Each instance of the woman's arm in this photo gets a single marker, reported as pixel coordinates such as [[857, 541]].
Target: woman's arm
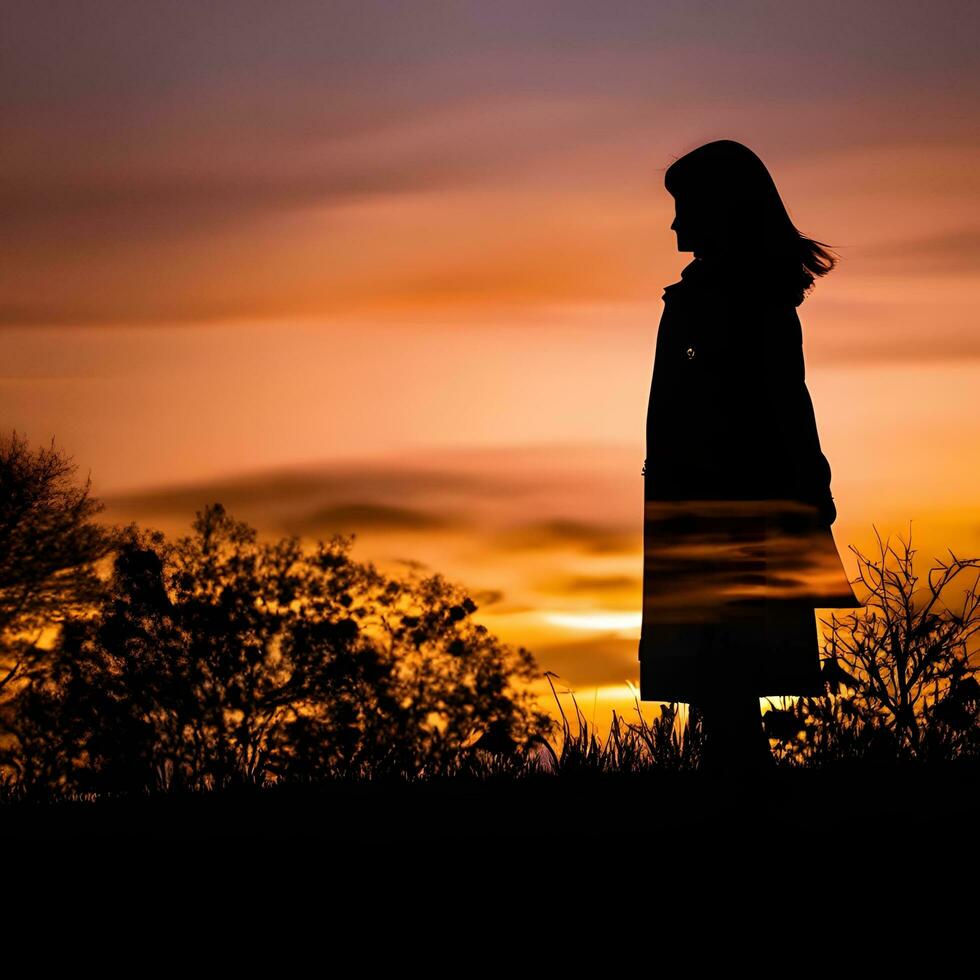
[[767, 442], [794, 427]]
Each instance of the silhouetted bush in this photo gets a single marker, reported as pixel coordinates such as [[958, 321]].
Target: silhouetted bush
[[901, 678], [217, 661]]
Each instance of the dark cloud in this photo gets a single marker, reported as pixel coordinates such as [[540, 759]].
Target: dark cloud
[[551, 534], [321, 503], [565, 585], [345, 518], [130, 208], [313, 486]]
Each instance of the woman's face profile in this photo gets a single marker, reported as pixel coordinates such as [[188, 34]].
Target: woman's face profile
[[686, 226], [698, 226]]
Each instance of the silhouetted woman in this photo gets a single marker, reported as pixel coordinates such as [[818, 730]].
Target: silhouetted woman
[[738, 548]]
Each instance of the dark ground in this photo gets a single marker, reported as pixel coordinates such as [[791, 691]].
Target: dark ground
[[650, 816], [555, 860]]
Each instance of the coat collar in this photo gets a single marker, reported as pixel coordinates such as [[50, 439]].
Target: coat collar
[[703, 276], [692, 276]]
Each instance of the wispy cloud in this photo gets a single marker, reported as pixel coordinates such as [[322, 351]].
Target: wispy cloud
[[950, 253]]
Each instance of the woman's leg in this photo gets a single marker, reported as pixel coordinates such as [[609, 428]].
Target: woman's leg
[[749, 734], [731, 720]]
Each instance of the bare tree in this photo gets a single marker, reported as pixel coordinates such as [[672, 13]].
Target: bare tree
[[905, 662], [49, 550]]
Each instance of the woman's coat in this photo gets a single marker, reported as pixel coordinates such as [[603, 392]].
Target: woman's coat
[[738, 548]]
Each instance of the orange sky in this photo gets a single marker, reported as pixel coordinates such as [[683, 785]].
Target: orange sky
[[402, 275]]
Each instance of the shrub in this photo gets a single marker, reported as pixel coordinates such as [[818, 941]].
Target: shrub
[[218, 661]]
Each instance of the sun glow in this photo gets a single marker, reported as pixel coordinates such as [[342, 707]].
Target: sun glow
[[596, 621]]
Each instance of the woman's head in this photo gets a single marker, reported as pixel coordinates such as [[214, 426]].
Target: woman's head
[[729, 211]]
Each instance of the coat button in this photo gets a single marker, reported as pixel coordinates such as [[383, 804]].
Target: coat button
[[690, 353]]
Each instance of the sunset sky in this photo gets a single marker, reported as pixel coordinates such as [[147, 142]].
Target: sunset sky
[[395, 269]]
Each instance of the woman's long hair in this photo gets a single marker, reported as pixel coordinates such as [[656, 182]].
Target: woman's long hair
[[742, 219]]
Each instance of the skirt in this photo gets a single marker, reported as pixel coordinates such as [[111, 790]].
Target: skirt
[[730, 593]]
